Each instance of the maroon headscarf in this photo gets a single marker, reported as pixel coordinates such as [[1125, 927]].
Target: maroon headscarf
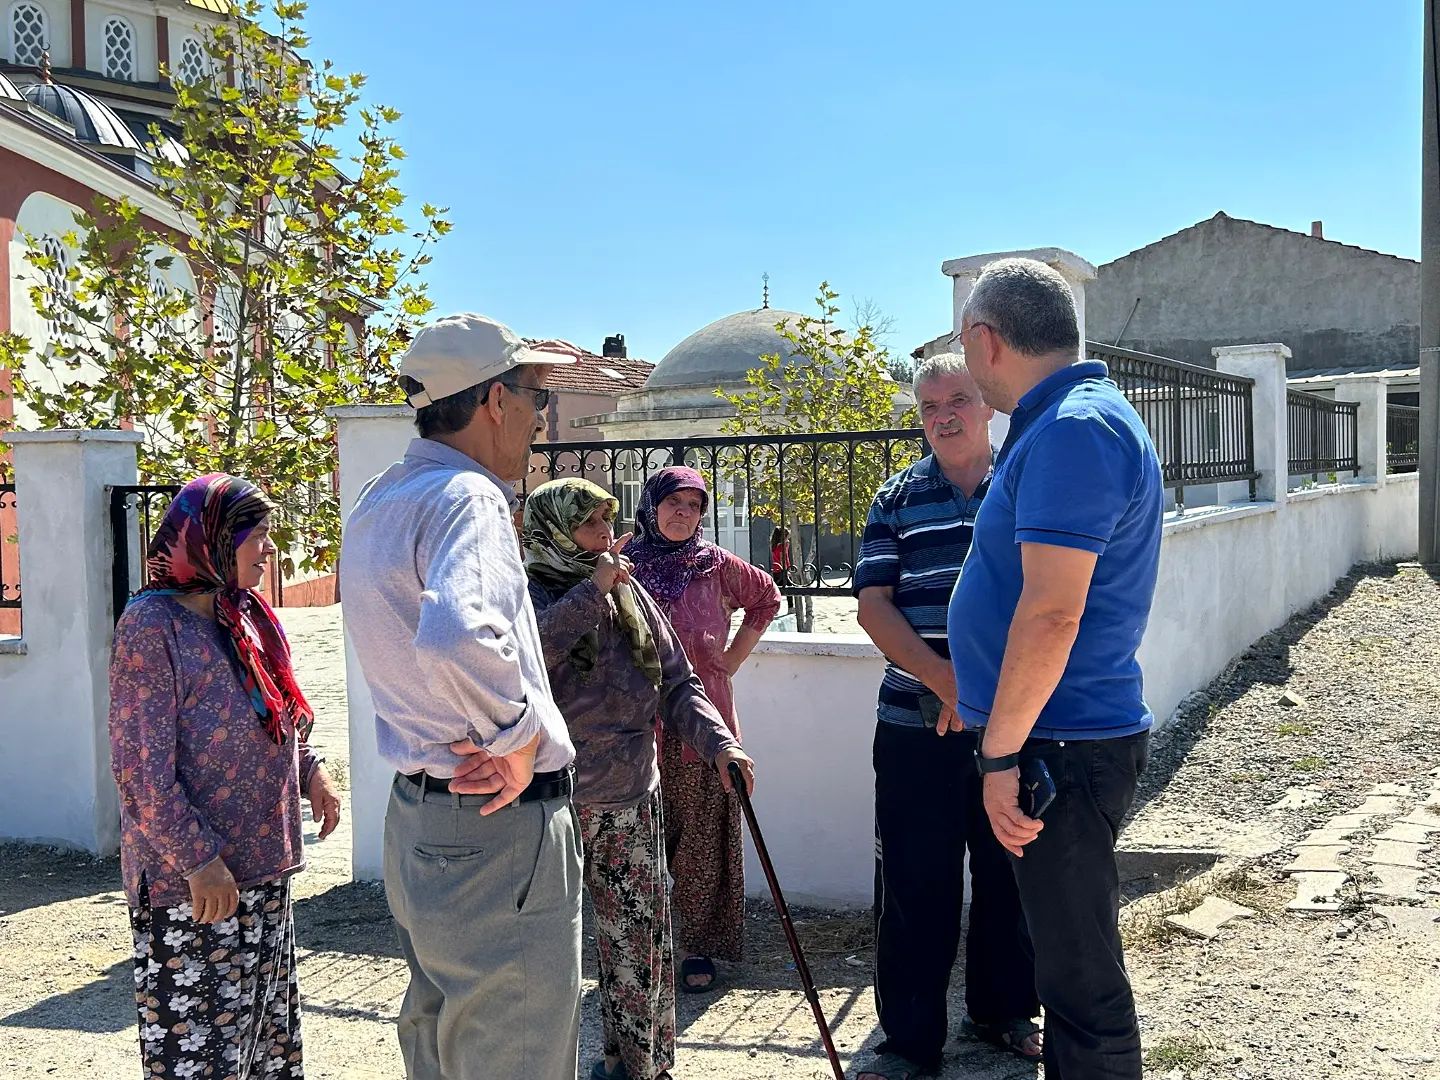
[[665, 567], [193, 553]]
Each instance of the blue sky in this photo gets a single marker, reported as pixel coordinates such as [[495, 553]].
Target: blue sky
[[635, 168]]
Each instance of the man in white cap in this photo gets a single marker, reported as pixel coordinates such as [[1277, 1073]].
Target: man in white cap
[[482, 860]]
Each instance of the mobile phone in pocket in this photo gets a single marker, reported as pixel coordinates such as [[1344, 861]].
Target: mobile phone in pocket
[[930, 706], [1037, 788]]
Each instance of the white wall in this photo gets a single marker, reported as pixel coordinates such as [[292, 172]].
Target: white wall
[[55, 782]]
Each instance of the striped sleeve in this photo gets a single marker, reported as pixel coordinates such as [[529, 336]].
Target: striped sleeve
[[879, 563]]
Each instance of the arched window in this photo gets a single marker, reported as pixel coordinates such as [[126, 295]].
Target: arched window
[[119, 49], [29, 34], [194, 65], [57, 282]]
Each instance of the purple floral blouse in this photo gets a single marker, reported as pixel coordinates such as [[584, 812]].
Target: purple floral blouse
[[198, 776]]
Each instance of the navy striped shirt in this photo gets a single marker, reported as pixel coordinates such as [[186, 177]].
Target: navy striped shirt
[[916, 538]]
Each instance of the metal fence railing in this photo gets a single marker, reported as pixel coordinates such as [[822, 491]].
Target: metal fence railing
[[1201, 421], [1402, 438], [817, 485], [9, 552], [135, 513], [1324, 435]]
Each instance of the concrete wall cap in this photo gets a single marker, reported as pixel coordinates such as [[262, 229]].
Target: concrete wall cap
[[1071, 266], [72, 435], [1265, 349], [362, 412], [790, 643]]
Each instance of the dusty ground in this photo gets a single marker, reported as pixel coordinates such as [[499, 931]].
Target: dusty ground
[[1278, 995]]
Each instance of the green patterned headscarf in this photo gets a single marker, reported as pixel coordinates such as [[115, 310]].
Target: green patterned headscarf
[[553, 511]]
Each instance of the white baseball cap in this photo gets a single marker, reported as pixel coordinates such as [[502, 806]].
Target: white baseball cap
[[460, 351]]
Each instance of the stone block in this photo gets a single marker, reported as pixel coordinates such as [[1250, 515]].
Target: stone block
[[1427, 821], [1326, 837], [1317, 859], [1396, 883], [1318, 891], [1379, 806], [1297, 798], [1391, 789], [1394, 853], [1407, 832], [1417, 923], [1349, 822], [1206, 920]]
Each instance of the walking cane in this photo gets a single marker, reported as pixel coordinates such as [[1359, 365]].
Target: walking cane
[[737, 780]]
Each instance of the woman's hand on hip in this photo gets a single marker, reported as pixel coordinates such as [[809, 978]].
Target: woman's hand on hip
[[324, 801], [611, 566], [747, 767], [213, 893]]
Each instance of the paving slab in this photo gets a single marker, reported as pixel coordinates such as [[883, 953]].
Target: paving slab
[[1297, 798], [1318, 891], [1317, 859], [1392, 789], [1206, 920], [1353, 822], [1396, 883], [1326, 837], [1379, 805], [1408, 832], [1428, 822], [1394, 853], [1413, 922]]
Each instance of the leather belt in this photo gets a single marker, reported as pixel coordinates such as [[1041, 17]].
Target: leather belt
[[543, 785]]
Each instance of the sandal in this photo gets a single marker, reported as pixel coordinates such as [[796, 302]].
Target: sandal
[[699, 967], [1018, 1036], [599, 1072], [891, 1066]]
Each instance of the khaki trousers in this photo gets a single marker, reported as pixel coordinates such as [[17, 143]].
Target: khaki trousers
[[488, 914]]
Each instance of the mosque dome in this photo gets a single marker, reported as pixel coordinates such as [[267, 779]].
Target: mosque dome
[[720, 354], [94, 121]]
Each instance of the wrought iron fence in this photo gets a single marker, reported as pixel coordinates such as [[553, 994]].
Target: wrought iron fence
[[817, 485], [1201, 421], [1324, 434], [135, 513], [9, 550], [1402, 438]]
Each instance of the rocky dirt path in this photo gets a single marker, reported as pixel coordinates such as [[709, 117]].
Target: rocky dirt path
[[1276, 995]]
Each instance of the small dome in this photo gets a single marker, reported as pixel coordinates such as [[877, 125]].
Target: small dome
[[94, 121], [8, 90], [720, 354]]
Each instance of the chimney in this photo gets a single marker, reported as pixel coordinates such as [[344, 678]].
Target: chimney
[[614, 347], [1317, 230]]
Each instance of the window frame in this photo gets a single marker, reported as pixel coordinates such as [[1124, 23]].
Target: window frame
[[133, 58], [14, 44]]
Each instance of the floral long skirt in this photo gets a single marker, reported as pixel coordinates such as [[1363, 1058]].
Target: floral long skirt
[[703, 846], [625, 873], [219, 1001]]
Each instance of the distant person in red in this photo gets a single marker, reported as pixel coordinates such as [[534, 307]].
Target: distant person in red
[[782, 560]]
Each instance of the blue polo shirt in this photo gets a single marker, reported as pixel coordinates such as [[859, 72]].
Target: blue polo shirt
[[1077, 470], [916, 537]]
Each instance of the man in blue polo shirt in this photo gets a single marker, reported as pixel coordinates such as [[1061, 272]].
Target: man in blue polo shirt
[[1044, 625], [927, 793]]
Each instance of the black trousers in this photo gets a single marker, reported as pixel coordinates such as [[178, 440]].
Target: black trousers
[[927, 813], [1070, 893]]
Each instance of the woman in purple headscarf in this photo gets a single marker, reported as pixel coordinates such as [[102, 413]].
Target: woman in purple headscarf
[[700, 586]]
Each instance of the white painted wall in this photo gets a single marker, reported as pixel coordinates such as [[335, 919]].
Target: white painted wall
[[55, 782]]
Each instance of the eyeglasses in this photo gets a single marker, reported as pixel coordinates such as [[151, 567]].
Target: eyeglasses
[[960, 337], [538, 394]]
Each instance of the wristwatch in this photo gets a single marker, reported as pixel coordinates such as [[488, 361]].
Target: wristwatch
[[995, 764]]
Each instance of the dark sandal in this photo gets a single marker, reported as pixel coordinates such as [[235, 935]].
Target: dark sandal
[[1012, 1036], [700, 967], [891, 1066], [599, 1073]]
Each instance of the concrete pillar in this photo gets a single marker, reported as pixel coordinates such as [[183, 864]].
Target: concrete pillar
[[55, 782], [371, 438], [1266, 365], [1075, 270], [1371, 393]]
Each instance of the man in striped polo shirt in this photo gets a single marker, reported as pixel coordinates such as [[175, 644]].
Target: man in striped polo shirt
[[928, 810]]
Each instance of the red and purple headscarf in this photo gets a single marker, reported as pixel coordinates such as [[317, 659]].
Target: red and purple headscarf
[[193, 553], [665, 567]]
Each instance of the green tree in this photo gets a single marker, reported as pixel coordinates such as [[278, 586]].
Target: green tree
[[833, 382], [306, 278]]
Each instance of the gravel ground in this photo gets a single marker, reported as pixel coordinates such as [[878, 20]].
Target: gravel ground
[[1277, 995]]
